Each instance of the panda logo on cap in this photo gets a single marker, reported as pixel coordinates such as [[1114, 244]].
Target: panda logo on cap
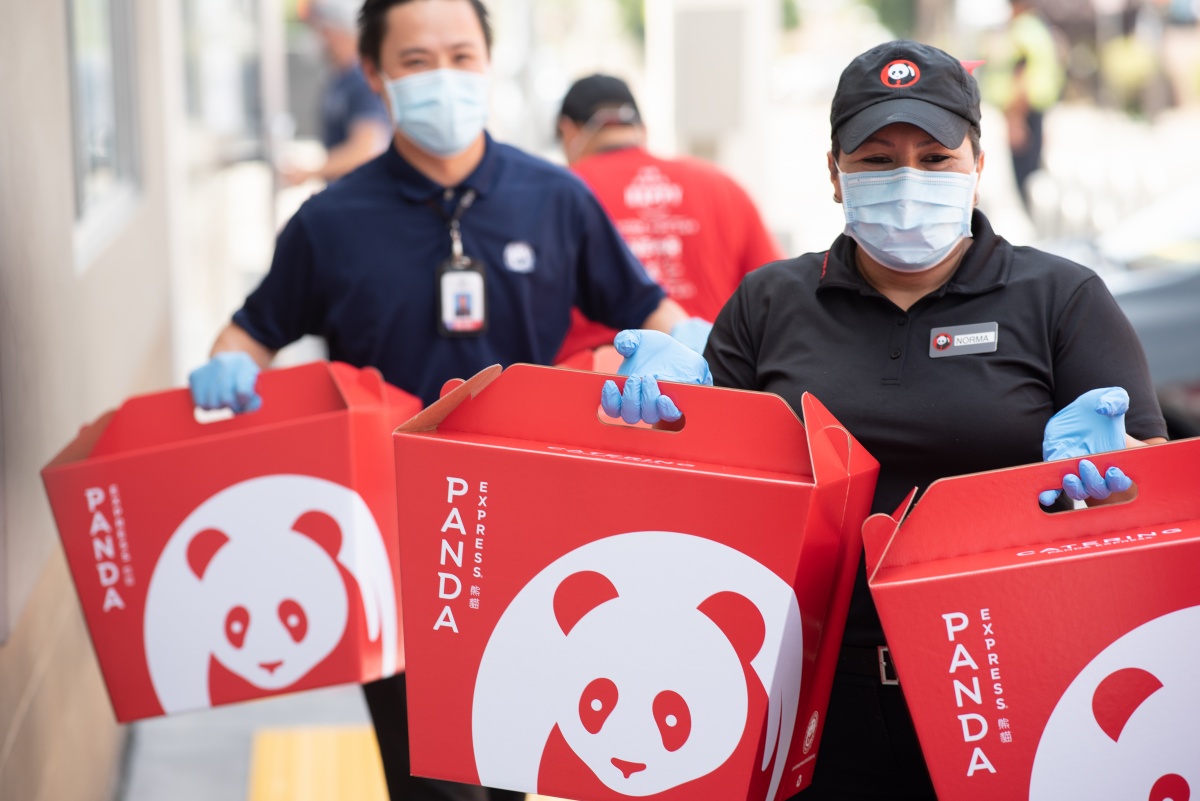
[[900, 74]]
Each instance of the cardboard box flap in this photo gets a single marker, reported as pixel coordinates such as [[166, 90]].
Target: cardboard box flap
[[146, 421], [834, 452], [461, 392], [358, 386], [365, 386], [83, 444], [997, 510], [741, 429], [878, 531]]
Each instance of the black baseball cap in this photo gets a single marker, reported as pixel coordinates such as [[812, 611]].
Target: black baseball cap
[[904, 81], [588, 95]]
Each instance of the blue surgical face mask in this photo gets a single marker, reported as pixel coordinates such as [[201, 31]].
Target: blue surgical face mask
[[442, 111], [906, 219]]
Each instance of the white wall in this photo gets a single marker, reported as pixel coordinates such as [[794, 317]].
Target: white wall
[[712, 81], [73, 342]]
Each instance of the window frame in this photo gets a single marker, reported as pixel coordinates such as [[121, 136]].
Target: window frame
[[100, 217]]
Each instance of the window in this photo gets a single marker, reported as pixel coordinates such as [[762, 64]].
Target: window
[[224, 50], [103, 94]]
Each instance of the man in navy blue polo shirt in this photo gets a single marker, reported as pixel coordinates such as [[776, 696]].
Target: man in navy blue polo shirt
[[448, 253]]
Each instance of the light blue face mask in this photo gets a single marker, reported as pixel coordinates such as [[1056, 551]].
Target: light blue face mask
[[906, 219], [442, 111]]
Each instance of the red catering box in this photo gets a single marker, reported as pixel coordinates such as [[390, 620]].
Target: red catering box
[[218, 562], [596, 611], [1050, 656]]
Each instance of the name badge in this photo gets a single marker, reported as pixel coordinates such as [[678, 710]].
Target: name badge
[[962, 340]]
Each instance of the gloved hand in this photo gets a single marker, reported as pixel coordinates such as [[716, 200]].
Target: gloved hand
[[650, 356], [226, 382], [693, 332], [1092, 423]]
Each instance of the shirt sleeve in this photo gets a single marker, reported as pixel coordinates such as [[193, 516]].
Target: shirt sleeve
[[285, 306], [1095, 346], [612, 287], [733, 343]]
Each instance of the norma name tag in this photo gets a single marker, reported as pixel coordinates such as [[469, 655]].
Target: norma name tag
[[961, 340]]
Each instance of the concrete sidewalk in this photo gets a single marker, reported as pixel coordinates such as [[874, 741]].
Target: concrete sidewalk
[[205, 756]]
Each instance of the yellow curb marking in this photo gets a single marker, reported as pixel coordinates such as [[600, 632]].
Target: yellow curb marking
[[316, 764]]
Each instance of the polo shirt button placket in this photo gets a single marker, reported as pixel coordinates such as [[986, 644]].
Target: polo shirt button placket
[[899, 341]]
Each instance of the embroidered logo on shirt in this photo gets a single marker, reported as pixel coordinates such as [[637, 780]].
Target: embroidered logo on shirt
[[519, 257], [961, 340]]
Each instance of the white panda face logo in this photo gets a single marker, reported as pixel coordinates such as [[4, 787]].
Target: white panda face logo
[[647, 716], [253, 578], [274, 635], [646, 643], [1129, 725]]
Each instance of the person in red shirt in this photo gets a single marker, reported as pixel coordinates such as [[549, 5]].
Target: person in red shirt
[[696, 231]]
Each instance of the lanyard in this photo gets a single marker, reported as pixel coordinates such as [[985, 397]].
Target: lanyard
[[461, 281], [454, 224]]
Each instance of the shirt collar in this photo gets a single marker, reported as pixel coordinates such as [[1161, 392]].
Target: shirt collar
[[623, 147], [418, 188], [985, 266]]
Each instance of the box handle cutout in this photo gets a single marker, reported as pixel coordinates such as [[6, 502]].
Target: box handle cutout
[[209, 416], [617, 422], [1082, 506]]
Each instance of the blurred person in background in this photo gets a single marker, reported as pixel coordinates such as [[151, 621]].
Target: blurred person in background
[[1024, 77], [448, 253], [355, 126], [1131, 62], [693, 227], [880, 329]]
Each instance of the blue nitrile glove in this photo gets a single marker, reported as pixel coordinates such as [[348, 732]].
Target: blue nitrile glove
[[693, 332], [651, 356], [226, 382], [1092, 423]]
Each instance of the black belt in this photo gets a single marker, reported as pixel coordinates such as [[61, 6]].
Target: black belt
[[875, 663]]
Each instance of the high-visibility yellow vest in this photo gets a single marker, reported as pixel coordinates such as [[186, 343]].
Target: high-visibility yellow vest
[[1028, 42]]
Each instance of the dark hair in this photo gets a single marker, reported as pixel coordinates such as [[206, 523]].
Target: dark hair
[[372, 26], [972, 135]]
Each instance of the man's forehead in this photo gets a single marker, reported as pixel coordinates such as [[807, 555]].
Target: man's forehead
[[428, 24]]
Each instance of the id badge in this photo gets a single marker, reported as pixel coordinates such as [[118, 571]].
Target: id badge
[[462, 298], [963, 340]]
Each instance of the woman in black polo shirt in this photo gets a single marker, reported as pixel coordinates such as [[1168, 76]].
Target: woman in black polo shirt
[[943, 349]]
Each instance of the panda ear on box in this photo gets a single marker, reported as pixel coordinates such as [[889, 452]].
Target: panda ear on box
[[202, 549], [740, 620], [321, 529], [1119, 696], [578, 594]]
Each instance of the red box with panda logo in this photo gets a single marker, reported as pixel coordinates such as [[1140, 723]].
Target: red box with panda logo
[[236, 559], [596, 611], [1049, 656]]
